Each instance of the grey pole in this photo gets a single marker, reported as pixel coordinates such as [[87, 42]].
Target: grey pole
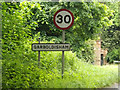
[[39, 56], [63, 41]]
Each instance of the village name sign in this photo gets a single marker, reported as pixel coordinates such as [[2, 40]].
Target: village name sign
[[50, 47], [63, 19]]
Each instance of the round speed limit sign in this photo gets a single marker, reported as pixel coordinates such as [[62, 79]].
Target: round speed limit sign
[[63, 19]]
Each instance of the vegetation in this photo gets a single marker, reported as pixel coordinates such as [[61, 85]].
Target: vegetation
[[89, 19], [24, 73], [111, 36], [23, 23], [0, 47]]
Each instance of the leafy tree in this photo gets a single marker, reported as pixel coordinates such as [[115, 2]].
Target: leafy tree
[[111, 35], [34, 17], [14, 32], [89, 20]]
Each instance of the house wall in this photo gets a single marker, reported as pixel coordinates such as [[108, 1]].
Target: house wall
[[97, 53], [104, 52]]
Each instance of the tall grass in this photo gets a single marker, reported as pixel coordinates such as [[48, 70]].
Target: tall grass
[[20, 70], [84, 75]]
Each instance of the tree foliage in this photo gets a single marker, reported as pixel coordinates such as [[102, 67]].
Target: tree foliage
[[111, 35], [14, 32], [90, 18]]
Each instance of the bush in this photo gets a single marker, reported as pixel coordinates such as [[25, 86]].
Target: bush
[[113, 55], [22, 72]]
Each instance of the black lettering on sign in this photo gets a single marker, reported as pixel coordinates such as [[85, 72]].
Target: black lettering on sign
[[67, 19], [50, 47], [47, 47], [35, 46], [57, 46], [66, 47], [40, 46], [62, 46], [60, 18], [43, 47]]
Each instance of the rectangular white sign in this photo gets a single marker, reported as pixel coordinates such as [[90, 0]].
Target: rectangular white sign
[[50, 47]]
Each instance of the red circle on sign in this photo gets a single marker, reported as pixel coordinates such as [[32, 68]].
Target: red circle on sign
[[63, 28]]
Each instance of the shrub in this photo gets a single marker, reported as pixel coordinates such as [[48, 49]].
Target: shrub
[[113, 55]]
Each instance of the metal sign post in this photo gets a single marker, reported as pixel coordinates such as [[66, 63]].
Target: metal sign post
[[63, 40], [39, 55]]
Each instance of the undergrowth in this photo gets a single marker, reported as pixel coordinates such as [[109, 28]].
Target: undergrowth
[[21, 71]]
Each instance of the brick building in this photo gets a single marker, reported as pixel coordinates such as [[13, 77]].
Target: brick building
[[99, 57]]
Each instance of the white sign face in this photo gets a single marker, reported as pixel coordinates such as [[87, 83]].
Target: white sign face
[[50, 47], [63, 19]]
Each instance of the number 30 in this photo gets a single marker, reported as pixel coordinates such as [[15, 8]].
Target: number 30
[[60, 17]]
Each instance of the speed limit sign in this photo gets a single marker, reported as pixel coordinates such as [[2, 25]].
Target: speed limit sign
[[63, 19]]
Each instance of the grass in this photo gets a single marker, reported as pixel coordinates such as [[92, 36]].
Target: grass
[[85, 75], [78, 74], [94, 78], [119, 73], [0, 73]]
